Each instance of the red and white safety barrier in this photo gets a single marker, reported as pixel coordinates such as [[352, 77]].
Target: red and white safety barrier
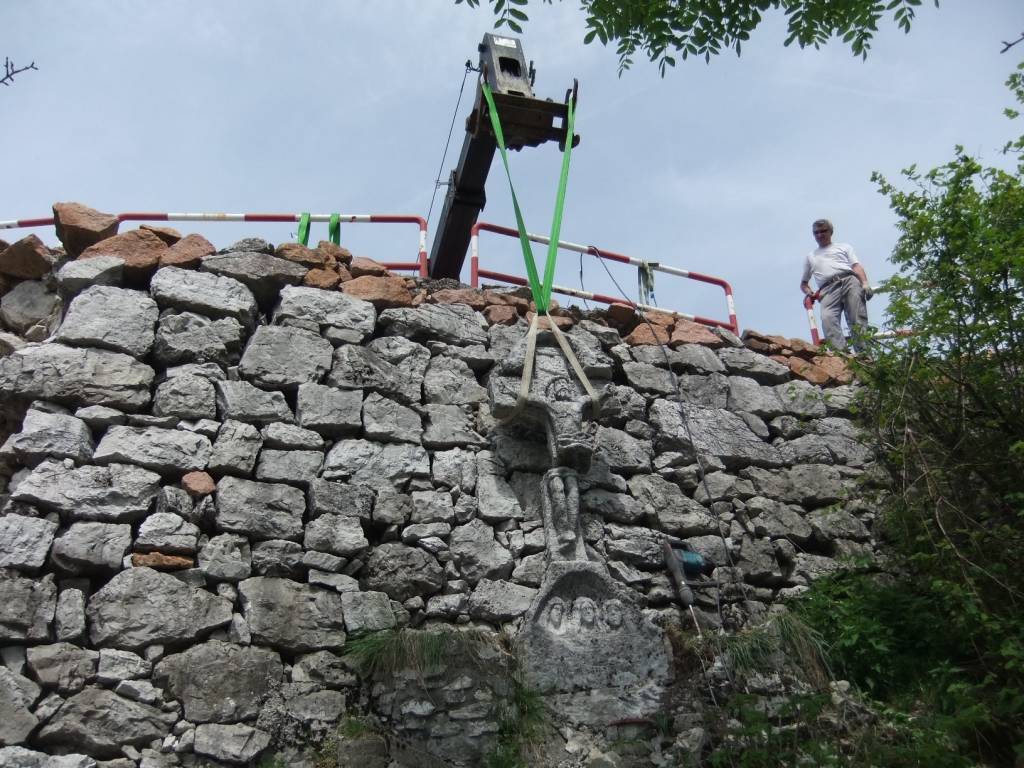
[[476, 273], [420, 265]]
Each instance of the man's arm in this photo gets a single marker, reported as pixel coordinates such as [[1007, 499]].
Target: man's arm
[[858, 270], [806, 288]]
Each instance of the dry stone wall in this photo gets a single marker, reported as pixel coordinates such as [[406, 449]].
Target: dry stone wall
[[219, 468]]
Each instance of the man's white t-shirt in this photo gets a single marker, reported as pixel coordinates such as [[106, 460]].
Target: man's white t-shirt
[[828, 261]]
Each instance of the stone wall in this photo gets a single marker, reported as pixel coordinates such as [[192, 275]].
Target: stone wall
[[222, 467]]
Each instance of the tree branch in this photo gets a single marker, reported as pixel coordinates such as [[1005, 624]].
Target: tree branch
[[1007, 46], [10, 71]]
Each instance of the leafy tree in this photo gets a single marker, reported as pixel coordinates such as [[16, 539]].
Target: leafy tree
[[662, 29], [947, 407]]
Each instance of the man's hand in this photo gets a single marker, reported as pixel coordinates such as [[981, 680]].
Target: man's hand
[[868, 290]]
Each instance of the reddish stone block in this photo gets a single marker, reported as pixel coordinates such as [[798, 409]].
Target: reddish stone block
[[808, 371], [688, 332], [382, 292], [360, 266], [198, 483], [168, 234], [29, 259], [471, 296], [836, 367], [563, 323], [648, 334], [139, 249], [501, 314], [325, 279], [300, 254], [161, 562], [187, 253], [78, 226], [334, 253]]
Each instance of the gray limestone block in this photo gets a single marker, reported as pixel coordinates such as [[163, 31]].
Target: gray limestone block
[[17, 697], [100, 417], [186, 397], [404, 354], [217, 682], [115, 666], [816, 485], [709, 431], [609, 337], [325, 562], [226, 557], [259, 510], [235, 449], [265, 275], [241, 401], [475, 356], [276, 557], [391, 508], [756, 424], [590, 353], [617, 507], [205, 293], [29, 303], [101, 723], [291, 437], [365, 463], [111, 318], [167, 533], [140, 607], [450, 426], [780, 521], [9, 342], [19, 757], [412, 534], [496, 500], [76, 376], [88, 547], [184, 338], [802, 398], [711, 391], [290, 616], [25, 541], [51, 435], [331, 412], [336, 534], [69, 619], [645, 377], [176, 501], [477, 554], [79, 274], [402, 571], [340, 318], [722, 486], [758, 562], [367, 612], [449, 381], [62, 666], [623, 453], [446, 606], [167, 451], [669, 509], [686, 358], [455, 468], [112, 493], [281, 357], [295, 467], [530, 570], [29, 607], [235, 743], [343, 499], [358, 368], [831, 523], [500, 601], [620, 404], [635, 545], [451, 323], [751, 397], [323, 668], [250, 244], [432, 507], [388, 421], [806, 449], [745, 362]]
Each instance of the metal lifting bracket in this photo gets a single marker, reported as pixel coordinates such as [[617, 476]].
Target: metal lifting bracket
[[527, 122]]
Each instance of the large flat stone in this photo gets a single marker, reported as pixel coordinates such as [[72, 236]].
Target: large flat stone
[[259, 510], [168, 451], [263, 274], [451, 323], [140, 607], [218, 682], [76, 376], [365, 463], [279, 357], [290, 616], [341, 318], [187, 337], [112, 493], [710, 431], [87, 547], [205, 293], [51, 435], [110, 318], [25, 541], [29, 605], [241, 401]]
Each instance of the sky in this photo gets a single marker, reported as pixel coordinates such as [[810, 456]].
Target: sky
[[341, 106]]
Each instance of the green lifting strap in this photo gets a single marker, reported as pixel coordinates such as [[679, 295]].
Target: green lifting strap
[[304, 229], [541, 291], [334, 229]]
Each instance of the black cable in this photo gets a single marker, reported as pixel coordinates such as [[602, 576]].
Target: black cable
[[444, 156], [686, 423]]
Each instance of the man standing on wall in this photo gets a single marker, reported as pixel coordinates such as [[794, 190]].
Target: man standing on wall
[[842, 284]]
